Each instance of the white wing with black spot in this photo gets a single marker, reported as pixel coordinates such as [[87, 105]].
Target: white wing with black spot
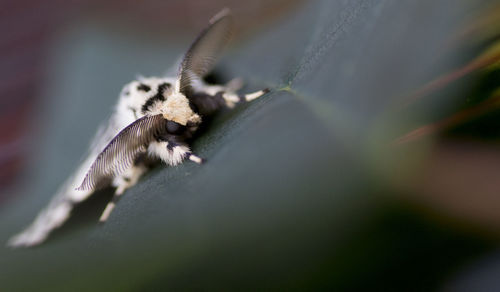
[[62, 203]]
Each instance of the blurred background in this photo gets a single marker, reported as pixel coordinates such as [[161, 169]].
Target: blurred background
[[374, 163]]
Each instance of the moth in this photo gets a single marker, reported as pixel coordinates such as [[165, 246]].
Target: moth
[[154, 120]]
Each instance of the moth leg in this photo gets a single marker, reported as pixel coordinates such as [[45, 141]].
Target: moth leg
[[109, 208], [232, 98], [194, 158], [173, 153], [126, 180]]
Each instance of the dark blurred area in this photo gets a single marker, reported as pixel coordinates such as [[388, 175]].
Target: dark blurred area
[[373, 164]]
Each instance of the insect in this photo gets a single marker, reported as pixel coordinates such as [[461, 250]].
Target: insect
[[154, 120]]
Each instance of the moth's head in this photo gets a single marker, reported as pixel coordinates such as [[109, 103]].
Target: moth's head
[[152, 96], [176, 108]]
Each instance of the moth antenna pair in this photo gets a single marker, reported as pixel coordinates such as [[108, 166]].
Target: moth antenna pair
[[200, 58]]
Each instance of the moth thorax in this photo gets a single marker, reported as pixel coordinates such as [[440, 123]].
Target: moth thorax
[[176, 108]]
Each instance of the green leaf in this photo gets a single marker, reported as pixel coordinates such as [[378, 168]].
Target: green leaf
[[288, 198]]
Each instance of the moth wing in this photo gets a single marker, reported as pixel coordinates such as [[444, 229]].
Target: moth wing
[[204, 51], [61, 204], [53, 215], [120, 153]]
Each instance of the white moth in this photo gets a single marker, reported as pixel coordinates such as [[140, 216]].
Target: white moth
[[154, 119]]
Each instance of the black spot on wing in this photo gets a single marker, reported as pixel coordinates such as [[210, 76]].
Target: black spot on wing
[[159, 96], [143, 87]]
